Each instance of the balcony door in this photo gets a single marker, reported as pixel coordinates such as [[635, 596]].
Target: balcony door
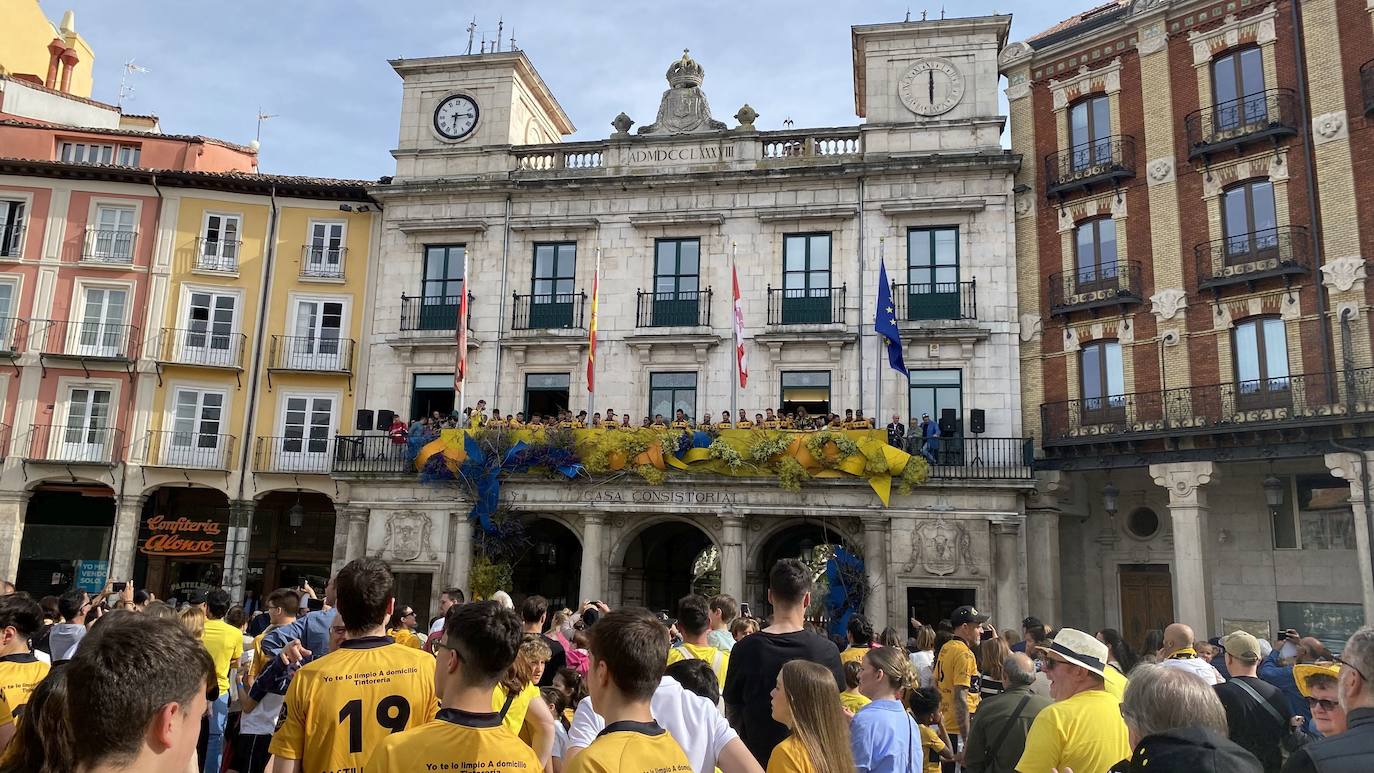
[[85, 435], [325, 253], [307, 421], [1250, 222], [932, 259], [113, 238], [1090, 131], [209, 335], [1095, 257], [219, 249], [551, 288], [1261, 357], [317, 342], [9, 324], [1238, 91], [101, 331], [442, 288], [1104, 383], [677, 282], [195, 439], [806, 279], [11, 229]]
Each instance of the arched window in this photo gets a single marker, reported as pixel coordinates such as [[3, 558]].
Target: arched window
[[1259, 348], [1249, 221], [1238, 89]]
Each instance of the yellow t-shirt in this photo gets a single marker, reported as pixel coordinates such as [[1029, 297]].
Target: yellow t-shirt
[[340, 707], [455, 740], [260, 660], [956, 667], [853, 701], [719, 659], [631, 747], [746, 424], [515, 715], [1115, 682], [680, 425], [19, 674], [853, 654], [224, 642], [404, 637], [931, 746], [1083, 732], [790, 757]]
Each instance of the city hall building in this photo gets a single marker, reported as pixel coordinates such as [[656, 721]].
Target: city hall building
[[487, 201]]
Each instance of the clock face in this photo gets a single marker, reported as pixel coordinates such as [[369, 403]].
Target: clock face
[[931, 86], [455, 117]]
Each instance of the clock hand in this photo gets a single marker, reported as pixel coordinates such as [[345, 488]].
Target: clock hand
[[931, 76]]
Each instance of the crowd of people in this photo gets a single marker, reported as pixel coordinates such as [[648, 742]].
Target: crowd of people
[[121, 681]]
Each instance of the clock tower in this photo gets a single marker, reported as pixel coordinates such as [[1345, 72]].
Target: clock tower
[[454, 107], [930, 75]]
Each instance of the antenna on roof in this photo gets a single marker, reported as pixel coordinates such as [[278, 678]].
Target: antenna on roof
[[923, 14], [500, 27], [472, 27], [262, 117], [126, 89], [908, 15], [512, 38], [942, 13]]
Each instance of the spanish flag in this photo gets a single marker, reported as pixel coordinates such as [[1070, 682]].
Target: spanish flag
[[591, 327]]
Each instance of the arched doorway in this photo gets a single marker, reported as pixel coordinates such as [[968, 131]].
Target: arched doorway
[[551, 565], [667, 561], [173, 568], [811, 541], [291, 541], [67, 526]]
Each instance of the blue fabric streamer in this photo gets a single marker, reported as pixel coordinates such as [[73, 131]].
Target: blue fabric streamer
[[843, 600]]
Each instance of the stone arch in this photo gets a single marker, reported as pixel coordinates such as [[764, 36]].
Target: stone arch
[[766, 543], [151, 487], [551, 564], [655, 561]]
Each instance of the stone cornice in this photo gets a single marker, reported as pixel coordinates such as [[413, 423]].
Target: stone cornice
[[837, 212], [440, 226], [555, 224], [934, 205], [657, 219]]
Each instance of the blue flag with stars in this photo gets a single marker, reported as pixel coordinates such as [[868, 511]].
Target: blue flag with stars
[[885, 323]]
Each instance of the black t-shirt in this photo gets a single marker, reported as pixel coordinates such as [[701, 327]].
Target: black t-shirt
[[558, 658], [754, 665], [1251, 726]]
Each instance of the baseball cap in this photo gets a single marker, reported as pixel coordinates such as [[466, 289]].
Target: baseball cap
[[1242, 646], [197, 596], [1032, 622], [966, 614]]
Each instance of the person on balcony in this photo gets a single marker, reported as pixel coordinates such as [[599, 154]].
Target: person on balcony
[[659, 423], [743, 422], [724, 422], [680, 420], [770, 420]]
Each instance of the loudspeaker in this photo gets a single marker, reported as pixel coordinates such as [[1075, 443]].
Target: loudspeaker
[[384, 419], [976, 421], [947, 420], [364, 420]]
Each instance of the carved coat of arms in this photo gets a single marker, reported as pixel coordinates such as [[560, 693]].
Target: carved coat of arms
[[938, 547], [408, 537]]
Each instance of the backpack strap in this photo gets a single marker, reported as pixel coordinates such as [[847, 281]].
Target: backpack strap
[[1269, 707], [505, 707]]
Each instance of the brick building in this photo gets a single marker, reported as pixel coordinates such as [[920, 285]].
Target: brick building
[[1191, 228]]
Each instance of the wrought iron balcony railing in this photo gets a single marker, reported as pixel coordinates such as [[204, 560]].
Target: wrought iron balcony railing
[[221, 255], [372, 455], [188, 448], [806, 305], [76, 442], [1094, 287], [311, 354], [941, 300], [682, 308], [547, 312], [182, 346], [320, 262], [109, 246], [432, 313], [1315, 398], [1108, 160], [309, 451], [979, 458], [13, 335], [1247, 258], [87, 340], [1271, 114]]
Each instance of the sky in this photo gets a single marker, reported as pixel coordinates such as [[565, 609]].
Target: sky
[[320, 66]]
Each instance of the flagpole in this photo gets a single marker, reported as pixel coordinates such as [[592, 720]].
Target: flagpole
[[734, 380], [878, 360], [462, 338], [591, 344]]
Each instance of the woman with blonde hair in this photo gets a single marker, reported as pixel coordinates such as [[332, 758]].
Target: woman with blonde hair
[[923, 659], [883, 736], [991, 654], [516, 697], [805, 700], [192, 618]]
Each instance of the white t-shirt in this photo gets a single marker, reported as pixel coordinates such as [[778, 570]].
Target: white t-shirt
[[560, 741], [696, 724], [1196, 666], [924, 663], [262, 720], [436, 626]]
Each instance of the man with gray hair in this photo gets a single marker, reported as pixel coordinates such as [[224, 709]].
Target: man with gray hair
[[997, 735], [1176, 722], [1353, 749]]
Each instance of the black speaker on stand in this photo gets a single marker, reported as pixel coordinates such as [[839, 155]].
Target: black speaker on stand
[[384, 419], [363, 423]]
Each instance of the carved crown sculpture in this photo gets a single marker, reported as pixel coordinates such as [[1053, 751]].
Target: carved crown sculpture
[[685, 73]]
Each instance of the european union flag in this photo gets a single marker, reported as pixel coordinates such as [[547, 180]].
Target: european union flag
[[885, 323]]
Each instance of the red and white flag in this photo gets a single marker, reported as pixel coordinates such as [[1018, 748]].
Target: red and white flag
[[460, 371], [740, 365]]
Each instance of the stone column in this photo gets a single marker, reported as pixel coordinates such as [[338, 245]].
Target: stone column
[[13, 506], [1006, 578], [1188, 511], [1042, 546], [732, 556], [459, 551], [241, 513], [128, 513], [350, 535], [875, 567], [593, 586], [1347, 466]]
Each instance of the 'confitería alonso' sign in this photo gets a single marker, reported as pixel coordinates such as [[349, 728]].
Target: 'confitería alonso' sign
[[181, 537]]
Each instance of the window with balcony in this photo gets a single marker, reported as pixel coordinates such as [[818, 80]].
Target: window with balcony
[[932, 274], [101, 331], [317, 341], [195, 439], [85, 435], [324, 254], [1238, 89], [551, 285], [677, 282], [441, 288], [809, 389], [1090, 131], [1260, 352], [1094, 247], [1249, 222], [546, 394], [806, 286], [111, 240], [219, 243], [671, 392], [307, 421], [9, 292], [11, 229], [1103, 382], [208, 337], [934, 391]]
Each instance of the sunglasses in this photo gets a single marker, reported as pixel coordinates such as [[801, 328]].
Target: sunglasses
[[1348, 665], [1325, 705]]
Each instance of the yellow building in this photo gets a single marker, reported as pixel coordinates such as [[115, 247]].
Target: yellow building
[[32, 48]]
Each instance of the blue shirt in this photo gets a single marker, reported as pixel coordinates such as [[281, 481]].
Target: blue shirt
[[312, 629], [1281, 676], [885, 739]]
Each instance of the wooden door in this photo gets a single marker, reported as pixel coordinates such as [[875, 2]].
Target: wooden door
[[1147, 600]]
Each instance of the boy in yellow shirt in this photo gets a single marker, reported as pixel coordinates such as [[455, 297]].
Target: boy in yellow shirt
[[694, 622], [479, 643], [627, 651]]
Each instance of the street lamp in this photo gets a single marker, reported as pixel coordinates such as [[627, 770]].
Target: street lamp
[[1273, 493], [295, 515], [1109, 494], [808, 550]]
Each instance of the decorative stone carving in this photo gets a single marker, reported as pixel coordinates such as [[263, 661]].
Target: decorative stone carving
[[1024, 203], [1152, 39], [1330, 127], [1013, 53], [1160, 171], [1167, 303], [1018, 87], [1182, 479], [1108, 75], [1031, 327], [937, 547], [622, 124], [1342, 273], [408, 536], [1144, 6], [1230, 32], [746, 117], [683, 108]]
